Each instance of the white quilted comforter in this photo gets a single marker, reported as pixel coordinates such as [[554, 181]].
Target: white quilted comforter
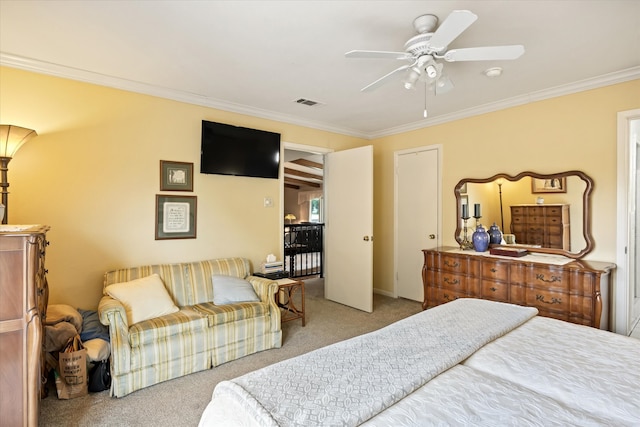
[[469, 362]]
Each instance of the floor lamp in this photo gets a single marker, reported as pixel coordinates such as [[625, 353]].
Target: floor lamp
[[11, 139], [500, 181]]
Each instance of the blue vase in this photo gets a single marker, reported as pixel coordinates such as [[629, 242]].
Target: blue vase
[[495, 235], [480, 239]]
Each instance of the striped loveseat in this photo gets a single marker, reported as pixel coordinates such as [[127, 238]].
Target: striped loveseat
[[199, 335]]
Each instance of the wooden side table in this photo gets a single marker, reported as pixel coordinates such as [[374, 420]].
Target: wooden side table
[[284, 299]]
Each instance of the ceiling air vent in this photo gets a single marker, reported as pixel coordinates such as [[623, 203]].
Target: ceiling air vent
[[307, 102]]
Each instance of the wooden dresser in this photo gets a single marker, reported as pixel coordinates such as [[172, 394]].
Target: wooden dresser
[[23, 302], [577, 292], [544, 225]]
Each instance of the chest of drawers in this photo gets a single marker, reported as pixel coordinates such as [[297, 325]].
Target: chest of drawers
[[577, 292], [23, 302], [544, 225]]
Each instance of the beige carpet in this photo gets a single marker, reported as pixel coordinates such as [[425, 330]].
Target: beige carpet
[[180, 402]]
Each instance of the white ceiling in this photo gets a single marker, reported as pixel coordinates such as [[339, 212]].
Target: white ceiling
[[258, 57]]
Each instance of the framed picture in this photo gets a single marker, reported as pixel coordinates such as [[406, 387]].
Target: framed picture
[[554, 185], [176, 217], [176, 176]]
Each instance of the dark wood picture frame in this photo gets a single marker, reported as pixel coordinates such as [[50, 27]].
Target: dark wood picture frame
[[176, 217], [551, 185], [176, 176]]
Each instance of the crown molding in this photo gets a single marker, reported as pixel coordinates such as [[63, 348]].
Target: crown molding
[[77, 74], [579, 86]]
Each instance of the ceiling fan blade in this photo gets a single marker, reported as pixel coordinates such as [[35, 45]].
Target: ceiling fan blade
[[488, 53], [382, 80], [443, 85], [451, 28], [376, 54]]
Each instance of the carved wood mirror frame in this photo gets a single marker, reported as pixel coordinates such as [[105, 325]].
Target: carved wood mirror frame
[[586, 207]]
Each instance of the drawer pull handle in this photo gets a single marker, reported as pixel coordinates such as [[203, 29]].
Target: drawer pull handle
[[448, 298], [454, 265], [553, 300], [451, 282], [493, 270], [553, 278], [493, 289]]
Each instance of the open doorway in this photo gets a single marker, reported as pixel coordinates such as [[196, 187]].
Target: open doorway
[[303, 208]]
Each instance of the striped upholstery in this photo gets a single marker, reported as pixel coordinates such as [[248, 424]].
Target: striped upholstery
[[197, 337], [221, 314]]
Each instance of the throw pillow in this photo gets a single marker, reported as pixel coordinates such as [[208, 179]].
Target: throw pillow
[[143, 298], [230, 289]]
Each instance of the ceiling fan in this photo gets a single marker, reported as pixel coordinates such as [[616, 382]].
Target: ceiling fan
[[425, 49]]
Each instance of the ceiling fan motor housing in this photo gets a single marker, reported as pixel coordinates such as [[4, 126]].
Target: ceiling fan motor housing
[[425, 23]]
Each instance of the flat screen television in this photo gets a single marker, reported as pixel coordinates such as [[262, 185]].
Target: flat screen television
[[233, 150]]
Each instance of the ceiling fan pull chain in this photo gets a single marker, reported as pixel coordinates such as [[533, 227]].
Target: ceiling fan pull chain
[[425, 100]]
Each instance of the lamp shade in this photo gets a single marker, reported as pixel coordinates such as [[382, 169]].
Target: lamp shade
[[290, 217], [12, 138]]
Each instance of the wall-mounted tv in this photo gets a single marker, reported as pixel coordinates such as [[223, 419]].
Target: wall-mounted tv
[[233, 150]]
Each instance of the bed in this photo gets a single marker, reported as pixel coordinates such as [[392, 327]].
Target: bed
[[467, 362]]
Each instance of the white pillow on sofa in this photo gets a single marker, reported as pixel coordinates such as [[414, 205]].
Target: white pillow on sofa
[[231, 289], [143, 298]]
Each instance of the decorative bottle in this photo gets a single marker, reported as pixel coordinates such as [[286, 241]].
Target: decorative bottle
[[495, 235], [480, 239]]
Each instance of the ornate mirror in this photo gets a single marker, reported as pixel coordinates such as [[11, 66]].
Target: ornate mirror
[[544, 213]]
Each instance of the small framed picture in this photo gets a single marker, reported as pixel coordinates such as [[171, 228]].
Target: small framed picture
[[176, 217], [176, 176], [553, 185]]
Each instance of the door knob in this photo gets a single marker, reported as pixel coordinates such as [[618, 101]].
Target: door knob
[[432, 236], [365, 238]]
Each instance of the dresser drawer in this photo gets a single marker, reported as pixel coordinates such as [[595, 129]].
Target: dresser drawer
[[554, 220], [495, 270], [518, 210], [549, 278], [535, 211], [538, 220], [553, 211], [544, 300], [518, 219], [453, 282], [496, 291], [453, 264], [445, 295]]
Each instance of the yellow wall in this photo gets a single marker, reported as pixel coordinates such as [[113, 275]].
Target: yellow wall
[[93, 172], [572, 132]]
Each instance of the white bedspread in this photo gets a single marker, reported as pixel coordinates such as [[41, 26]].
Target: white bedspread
[[463, 396], [350, 382], [583, 368], [544, 372]]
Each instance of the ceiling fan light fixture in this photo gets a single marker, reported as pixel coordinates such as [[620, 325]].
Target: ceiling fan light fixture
[[493, 72], [413, 78], [431, 71]]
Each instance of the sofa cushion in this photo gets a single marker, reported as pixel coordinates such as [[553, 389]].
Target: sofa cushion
[[185, 321], [221, 314], [143, 298], [230, 289]]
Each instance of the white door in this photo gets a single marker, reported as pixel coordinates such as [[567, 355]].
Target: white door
[[417, 205], [634, 221], [627, 290], [349, 227]]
